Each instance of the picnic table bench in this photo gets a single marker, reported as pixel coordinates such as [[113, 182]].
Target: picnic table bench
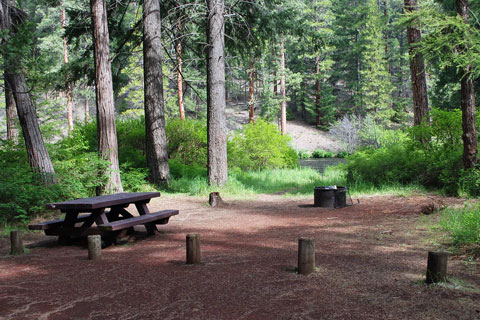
[[115, 222]]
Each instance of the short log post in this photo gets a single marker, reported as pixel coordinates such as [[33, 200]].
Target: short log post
[[16, 242], [436, 267], [215, 200], [193, 249], [306, 256], [94, 247]]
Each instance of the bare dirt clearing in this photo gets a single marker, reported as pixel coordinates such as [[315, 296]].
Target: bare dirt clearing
[[371, 260]]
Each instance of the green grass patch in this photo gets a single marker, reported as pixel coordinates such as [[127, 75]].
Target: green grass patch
[[462, 224], [295, 182]]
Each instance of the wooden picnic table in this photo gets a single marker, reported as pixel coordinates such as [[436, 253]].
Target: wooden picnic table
[[108, 213]]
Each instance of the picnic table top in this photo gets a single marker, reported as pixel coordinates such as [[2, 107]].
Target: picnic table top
[[103, 201]]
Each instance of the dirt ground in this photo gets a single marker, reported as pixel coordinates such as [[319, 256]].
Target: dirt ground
[[371, 262]]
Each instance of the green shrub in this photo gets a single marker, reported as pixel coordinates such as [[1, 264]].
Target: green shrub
[[342, 154], [429, 154], [261, 146], [322, 154], [470, 182], [303, 154], [23, 195], [187, 141], [181, 170], [462, 224], [131, 142], [135, 179]]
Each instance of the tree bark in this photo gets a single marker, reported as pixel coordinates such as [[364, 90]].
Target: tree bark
[[275, 82], [179, 69], [317, 90], [68, 88], [251, 101], [87, 113], [106, 130], [11, 114], [157, 156], [36, 150], [216, 105], [283, 106], [15, 82], [417, 70], [468, 102]]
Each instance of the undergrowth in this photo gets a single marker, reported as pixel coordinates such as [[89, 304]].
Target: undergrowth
[[463, 225]]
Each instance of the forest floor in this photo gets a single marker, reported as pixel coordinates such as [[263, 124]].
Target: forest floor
[[371, 260], [304, 136]]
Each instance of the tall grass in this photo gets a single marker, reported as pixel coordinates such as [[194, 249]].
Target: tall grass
[[463, 224], [290, 182]]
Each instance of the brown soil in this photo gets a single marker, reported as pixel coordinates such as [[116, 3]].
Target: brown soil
[[371, 262]]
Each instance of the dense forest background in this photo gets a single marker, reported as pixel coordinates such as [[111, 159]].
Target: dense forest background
[[342, 57], [342, 66]]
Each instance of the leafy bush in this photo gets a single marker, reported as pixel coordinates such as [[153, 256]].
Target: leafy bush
[[322, 154], [131, 142], [303, 154], [135, 179], [470, 182], [22, 193], [429, 154], [462, 224], [261, 146], [187, 141], [181, 170]]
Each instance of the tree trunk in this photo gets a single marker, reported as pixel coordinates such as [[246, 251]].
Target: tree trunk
[[106, 130], [251, 102], [11, 114], [179, 70], [87, 113], [317, 90], [283, 106], [157, 156], [15, 82], [468, 102], [417, 70], [36, 150], [275, 82], [216, 105], [68, 88]]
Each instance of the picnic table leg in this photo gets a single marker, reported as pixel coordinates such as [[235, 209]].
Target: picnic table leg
[[142, 210], [69, 222]]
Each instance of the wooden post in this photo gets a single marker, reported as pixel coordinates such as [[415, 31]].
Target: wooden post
[[94, 247], [215, 200], [16, 242], [306, 256], [436, 267], [193, 248]]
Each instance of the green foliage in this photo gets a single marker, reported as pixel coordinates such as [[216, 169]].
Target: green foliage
[[261, 146], [187, 141], [470, 182], [431, 155], [135, 179], [181, 170], [342, 154], [131, 142], [303, 154], [375, 83], [322, 154], [462, 224], [22, 193]]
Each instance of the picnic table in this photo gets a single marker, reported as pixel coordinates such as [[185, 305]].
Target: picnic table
[[105, 215]]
